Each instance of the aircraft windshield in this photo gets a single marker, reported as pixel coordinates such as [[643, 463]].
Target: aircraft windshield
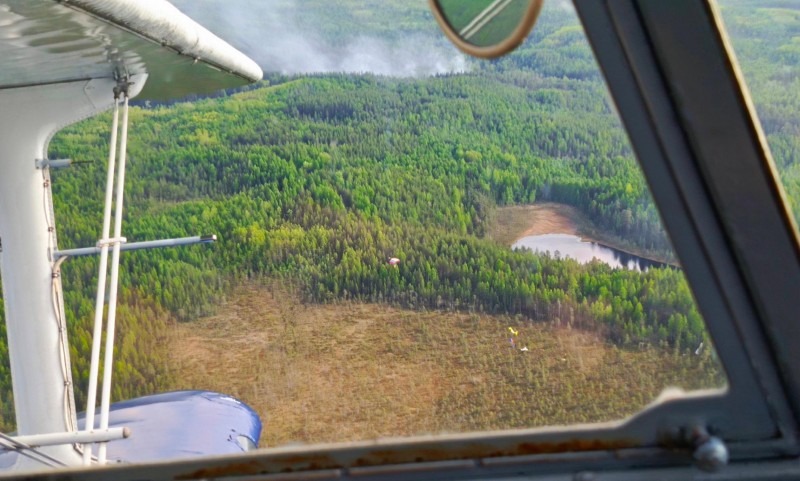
[[410, 241], [766, 39]]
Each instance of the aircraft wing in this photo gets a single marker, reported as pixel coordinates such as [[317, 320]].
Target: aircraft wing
[[49, 41]]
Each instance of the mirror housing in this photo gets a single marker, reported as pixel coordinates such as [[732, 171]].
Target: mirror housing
[[486, 28]]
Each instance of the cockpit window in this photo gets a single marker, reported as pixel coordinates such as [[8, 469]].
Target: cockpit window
[[766, 38], [410, 241], [451, 250]]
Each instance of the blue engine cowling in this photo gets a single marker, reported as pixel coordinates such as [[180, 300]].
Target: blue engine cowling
[[181, 424]]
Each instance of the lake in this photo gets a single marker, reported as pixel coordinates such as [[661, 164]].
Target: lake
[[565, 245]]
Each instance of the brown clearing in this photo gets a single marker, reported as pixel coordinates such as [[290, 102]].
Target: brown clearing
[[511, 223], [356, 371]]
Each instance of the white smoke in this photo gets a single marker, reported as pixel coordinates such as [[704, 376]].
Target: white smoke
[[269, 33]]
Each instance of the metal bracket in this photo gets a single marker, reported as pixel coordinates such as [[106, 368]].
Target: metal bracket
[[112, 241], [709, 452], [123, 84], [53, 164]]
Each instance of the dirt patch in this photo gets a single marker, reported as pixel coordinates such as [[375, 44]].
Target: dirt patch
[[514, 222], [352, 371]]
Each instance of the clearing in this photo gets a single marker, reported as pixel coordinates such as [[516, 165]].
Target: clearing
[[355, 371], [511, 223]]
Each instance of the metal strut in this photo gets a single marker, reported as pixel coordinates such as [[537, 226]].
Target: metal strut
[[134, 246], [121, 90]]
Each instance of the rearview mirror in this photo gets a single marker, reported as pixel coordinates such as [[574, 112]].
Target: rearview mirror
[[486, 28]]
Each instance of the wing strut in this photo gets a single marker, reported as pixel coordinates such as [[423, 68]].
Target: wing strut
[[115, 242]]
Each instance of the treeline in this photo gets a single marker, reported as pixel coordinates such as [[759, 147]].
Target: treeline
[[338, 255], [421, 151]]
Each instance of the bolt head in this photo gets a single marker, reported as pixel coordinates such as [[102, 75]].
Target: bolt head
[[711, 455]]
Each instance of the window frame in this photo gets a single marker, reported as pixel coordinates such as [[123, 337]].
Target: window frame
[[681, 97]]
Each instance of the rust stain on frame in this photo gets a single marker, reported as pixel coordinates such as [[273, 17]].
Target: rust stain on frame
[[404, 454]]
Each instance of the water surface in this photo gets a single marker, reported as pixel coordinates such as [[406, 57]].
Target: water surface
[[565, 245]]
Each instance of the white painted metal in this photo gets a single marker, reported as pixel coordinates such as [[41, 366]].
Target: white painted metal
[[91, 394], [160, 21], [44, 41], [8, 443], [58, 66], [28, 119], [108, 364], [55, 439]]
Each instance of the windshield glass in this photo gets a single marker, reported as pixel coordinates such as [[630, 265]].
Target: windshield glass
[[766, 38], [410, 241]]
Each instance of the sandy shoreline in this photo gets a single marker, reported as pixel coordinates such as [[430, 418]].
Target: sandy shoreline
[[512, 223], [515, 222]]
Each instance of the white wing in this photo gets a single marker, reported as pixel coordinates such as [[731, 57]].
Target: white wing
[[44, 41]]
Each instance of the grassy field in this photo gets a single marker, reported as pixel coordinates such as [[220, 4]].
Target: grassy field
[[354, 371]]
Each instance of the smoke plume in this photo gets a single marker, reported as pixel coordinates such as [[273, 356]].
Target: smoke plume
[[270, 33]]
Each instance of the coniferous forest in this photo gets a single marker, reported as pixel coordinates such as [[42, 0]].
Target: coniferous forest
[[317, 179]]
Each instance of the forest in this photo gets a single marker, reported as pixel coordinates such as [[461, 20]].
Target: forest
[[318, 179]]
